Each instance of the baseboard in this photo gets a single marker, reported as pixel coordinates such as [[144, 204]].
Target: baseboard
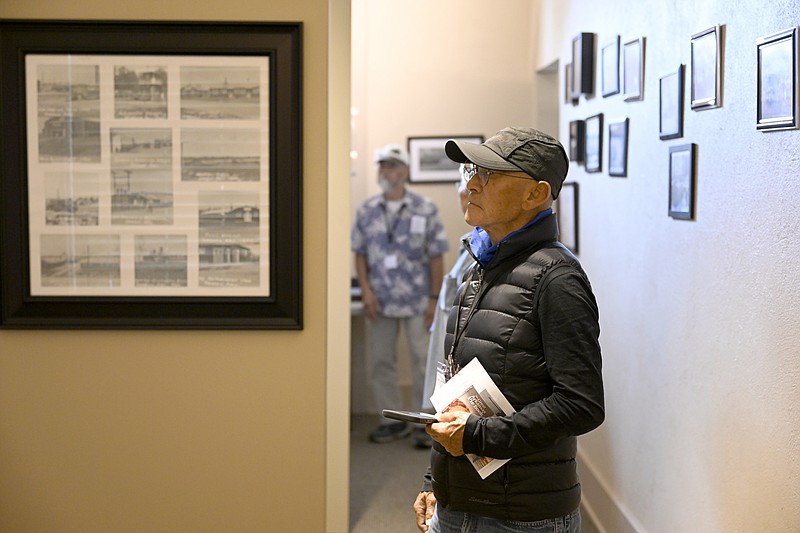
[[602, 506]]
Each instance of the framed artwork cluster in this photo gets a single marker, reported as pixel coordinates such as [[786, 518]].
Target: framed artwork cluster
[[151, 175], [697, 84]]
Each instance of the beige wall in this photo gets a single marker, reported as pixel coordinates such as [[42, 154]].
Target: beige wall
[[185, 431], [450, 67], [699, 318]]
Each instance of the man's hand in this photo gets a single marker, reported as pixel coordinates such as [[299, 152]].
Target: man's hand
[[370, 302], [429, 312], [424, 506], [449, 431]]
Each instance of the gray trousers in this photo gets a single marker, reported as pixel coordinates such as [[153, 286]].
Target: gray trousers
[[382, 353]]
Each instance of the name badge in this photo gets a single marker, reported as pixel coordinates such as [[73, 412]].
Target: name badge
[[390, 262], [417, 224]]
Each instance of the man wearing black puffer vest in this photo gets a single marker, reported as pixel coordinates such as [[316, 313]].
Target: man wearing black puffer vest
[[528, 314]]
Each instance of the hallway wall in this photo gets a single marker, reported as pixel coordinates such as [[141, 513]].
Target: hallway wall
[[699, 318]]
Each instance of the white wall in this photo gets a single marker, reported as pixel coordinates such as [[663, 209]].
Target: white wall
[[699, 325]]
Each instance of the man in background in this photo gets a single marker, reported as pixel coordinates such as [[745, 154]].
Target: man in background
[[398, 239]]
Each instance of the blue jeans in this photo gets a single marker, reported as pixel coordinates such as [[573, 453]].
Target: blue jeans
[[445, 521]]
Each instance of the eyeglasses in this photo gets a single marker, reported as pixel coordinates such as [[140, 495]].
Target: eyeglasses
[[471, 170]]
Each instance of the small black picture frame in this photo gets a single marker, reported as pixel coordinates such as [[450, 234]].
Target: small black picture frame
[[682, 178], [609, 58], [670, 99], [188, 272], [618, 148], [567, 210], [594, 143], [577, 141], [777, 93], [583, 64]]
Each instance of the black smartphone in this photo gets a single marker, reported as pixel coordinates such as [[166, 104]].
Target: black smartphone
[[410, 416]]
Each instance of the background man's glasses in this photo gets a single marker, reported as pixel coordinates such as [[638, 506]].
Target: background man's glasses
[[471, 170]]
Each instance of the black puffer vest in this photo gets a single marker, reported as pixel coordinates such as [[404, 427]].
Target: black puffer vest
[[531, 319]]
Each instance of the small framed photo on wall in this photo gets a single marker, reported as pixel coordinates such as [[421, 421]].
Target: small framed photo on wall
[[582, 64], [682, 177], [567, 216], [777, 91], [428, 163], [609, 57], [670, 98], [706, 68], [594, 143], [633, 68], [577, 146], [618, 148]]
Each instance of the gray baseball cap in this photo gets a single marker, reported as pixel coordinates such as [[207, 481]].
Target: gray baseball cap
[[516, 150]]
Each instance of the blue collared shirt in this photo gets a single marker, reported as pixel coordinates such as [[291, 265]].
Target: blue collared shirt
[[482, 247]]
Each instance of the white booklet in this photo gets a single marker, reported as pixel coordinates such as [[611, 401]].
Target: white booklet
[[471, 389]]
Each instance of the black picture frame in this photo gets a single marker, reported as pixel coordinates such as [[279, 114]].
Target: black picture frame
[[777, 97], [609, 56], [618, 148], [583, 64], [275, 112], [633, 69], [706, 66], [567, 211], [682, 178], [577, 141], [594, 143], [670, 98], [428, 162]]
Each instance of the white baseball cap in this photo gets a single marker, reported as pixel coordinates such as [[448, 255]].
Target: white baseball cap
[[392, 151]]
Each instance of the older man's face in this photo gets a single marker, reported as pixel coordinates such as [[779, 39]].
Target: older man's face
[[497, 207]]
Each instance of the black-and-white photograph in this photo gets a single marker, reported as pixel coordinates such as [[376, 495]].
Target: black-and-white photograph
[[68, 112], [609, 57], [80, 260], [568, 83], [618, 148], [209, 92], [594, 143], [681, 181], [633, 63], [71, 198], [217, 154], [577, 140], [777, 106], [706, 68], [229, 238], [161, 261], [140, 91], [427, 161], [670, 98], [141, 176]]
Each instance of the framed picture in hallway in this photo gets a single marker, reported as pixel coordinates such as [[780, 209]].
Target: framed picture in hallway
[[618, 148], [777, 92], [682, 177], [567, 216], [427, 161], [633, 69], [706, 68], [152, 175], [582, 64], [670, 104], [593, 126], [609, 57]]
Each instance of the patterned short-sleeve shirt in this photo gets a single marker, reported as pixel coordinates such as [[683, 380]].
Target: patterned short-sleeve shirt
[[398, 250]]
